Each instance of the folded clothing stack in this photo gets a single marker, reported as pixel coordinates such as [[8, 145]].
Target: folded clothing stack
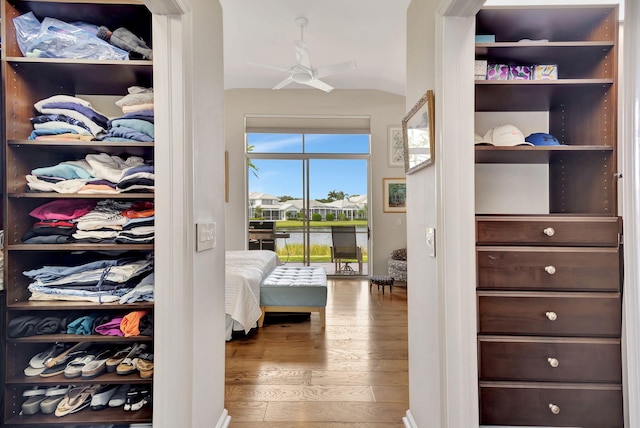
[[137, 121], [67, 117]]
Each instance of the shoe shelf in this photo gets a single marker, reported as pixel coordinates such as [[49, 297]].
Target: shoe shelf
[[535, 155], [83, 417], [26, 81]]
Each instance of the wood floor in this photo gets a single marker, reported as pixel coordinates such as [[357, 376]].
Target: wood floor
[[292, 373]]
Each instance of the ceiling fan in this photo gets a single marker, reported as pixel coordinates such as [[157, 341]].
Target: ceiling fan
[[302, 72]]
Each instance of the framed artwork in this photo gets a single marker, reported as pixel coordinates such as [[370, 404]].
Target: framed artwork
[[418, 133], [394, 195], [395, 146]]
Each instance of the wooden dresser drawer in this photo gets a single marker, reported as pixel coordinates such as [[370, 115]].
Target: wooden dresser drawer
[[547, 230], [550, 360], [542, 268], [564, 405], [550, 314]]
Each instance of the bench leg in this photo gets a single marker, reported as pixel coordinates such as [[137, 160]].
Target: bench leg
[[323, 317], [261, 319]]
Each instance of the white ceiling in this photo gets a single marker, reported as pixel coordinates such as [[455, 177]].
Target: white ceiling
[[371, 32]]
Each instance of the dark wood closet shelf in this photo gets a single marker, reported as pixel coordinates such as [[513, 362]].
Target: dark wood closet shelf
[[55, 195], [77, 338], [61, 304], [110, 378], [78, 247], [529, 154], [86, 416], [534, 95], [84, 145]]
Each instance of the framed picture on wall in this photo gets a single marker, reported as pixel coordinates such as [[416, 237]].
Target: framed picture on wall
[[395, 146], [394, 195]]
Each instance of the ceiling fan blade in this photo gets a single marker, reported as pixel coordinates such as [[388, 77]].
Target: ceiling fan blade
[[284, 83], [319, 84], [335, 69], [302, 54], [272, 67]]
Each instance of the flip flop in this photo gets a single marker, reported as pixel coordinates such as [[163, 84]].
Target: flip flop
[[53, 396], [144, 364], [128, 365], [100, 399], [62, 364], [97, 366], [75, 366], [113, 361], [38, 360], [120, 396], [64, 355], [34, 396], [76, 399]]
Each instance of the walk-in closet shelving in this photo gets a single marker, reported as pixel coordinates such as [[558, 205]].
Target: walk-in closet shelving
[[27, 80]]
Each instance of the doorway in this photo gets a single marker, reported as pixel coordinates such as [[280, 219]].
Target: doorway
[[299, 187]]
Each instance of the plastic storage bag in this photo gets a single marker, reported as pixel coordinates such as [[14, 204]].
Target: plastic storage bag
[[57, 39]]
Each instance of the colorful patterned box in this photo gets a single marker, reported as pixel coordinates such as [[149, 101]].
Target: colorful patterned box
[[480, 69], [520, 72], [545, 72], [497, 72]]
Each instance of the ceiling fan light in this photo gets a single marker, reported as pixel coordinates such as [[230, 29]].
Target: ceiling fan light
[[300, 77]]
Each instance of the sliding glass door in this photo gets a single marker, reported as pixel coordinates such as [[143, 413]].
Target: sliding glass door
[[301, 188]]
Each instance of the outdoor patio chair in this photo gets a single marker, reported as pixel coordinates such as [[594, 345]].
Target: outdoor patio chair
[[345, 250]]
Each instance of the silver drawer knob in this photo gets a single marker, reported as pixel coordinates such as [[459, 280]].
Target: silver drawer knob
[[554, 409], [553, 362], [551, 315], [550, 269], [549, 231]]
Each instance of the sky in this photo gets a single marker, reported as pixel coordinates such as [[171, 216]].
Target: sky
[[284, 177]]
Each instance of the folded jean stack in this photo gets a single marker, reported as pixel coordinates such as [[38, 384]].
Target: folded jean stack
[[66, 117], [123, 280], [137, 122]]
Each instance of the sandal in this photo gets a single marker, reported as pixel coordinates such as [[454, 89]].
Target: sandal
[[144, 364], [112, 362], [128, 365], [76, 399]]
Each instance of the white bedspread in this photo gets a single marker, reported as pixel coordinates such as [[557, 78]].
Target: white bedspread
[[245, 270]]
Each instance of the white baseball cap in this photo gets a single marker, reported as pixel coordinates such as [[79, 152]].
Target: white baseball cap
[[504, 136]]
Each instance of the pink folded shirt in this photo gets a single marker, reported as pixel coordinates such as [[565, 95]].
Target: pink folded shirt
[[63, 209]]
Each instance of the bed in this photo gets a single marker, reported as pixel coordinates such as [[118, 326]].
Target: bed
[[245, 271]]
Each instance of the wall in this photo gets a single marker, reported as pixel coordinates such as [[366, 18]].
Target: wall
[[423, 298], [189, 292], [388, 229]]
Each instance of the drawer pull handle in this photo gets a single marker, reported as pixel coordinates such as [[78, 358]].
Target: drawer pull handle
[[554, 409], [550, 269], [552, 316], [553, 362], [549, 231]]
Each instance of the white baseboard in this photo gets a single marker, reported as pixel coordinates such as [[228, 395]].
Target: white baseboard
[[224, 420], [408, 421]]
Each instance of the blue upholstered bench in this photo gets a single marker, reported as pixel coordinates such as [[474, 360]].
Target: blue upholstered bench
[[294, 289]]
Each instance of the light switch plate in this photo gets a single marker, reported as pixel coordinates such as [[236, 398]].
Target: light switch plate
[[205, 236], [431, 240]]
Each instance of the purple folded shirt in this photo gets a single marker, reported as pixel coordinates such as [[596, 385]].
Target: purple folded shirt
[[112, 328]]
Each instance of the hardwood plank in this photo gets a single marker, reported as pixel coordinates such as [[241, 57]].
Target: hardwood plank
[[268, 377], [329, 377], [246, 411], [290, 393]]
